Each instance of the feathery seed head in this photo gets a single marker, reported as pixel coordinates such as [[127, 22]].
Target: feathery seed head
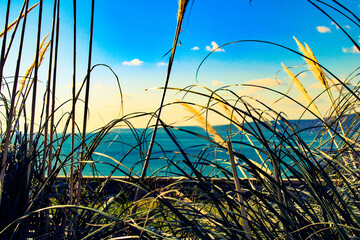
[[302, 91], [312, 63], [203, 123]]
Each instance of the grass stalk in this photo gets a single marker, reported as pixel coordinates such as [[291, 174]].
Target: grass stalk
[[2, 56], [53, 96], [73, 109], [238, 190], [35, 82], [87, 91], [181, 13], [48, 147], [292, 188], [11, 110]]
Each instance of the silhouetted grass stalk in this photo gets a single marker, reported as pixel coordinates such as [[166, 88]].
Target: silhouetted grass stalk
[[181, 13], [3, 47], [73, 110], [11, 109], [34, 94], [47, 143], [238, 189], [83, 144], [53, 95], [292, 189]]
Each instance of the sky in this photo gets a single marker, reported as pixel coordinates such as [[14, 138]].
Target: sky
[[132, 37]]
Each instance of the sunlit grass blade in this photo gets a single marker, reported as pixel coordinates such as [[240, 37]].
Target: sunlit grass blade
[[11, 25]]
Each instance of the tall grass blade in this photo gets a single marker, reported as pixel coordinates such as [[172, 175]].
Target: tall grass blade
[[9, 27], [86, 103], [73, 109], [53, 96], [9, 120], [181, 13], [2, 56], [238, 189], [48, 144]]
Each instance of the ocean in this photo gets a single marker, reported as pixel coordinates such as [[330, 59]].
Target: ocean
[[124, 150]]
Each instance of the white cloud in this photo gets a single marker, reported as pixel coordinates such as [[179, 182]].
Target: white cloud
[[323, 29], [217, 83], [195, 48], [214, 46], [337, 26], [134, 62], [161, 64], [352, 49]]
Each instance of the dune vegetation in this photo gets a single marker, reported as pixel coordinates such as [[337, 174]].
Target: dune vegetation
[[293, 189]]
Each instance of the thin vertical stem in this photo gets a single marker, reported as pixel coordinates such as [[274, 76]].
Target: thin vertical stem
[[73, 110], [181, 13], [54, 88], [47, 105], [177, 33], [2, 57], [238, 190], [33, 104], [86, 104], [48, 84]]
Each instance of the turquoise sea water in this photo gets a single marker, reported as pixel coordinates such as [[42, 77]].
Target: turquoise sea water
[[125, 149]]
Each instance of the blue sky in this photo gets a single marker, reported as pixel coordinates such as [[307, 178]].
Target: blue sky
[[132, 37]]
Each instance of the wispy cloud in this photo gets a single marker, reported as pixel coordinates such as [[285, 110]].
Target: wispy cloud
[[161, 64], [323, 29], [195, 48], [337, 26], [99, 87], [129, 96], [125, 96], [134, 62], [213, 47], [352, 49], [77, 85], [217, 83], [263, 82]]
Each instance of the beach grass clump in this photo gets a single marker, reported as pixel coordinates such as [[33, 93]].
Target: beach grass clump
[[260, 176]]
